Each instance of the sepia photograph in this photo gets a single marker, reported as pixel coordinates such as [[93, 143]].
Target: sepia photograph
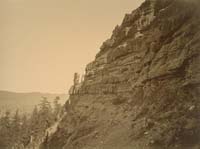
[[99, 74]]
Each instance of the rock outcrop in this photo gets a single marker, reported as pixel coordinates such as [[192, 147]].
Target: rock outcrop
[[142, 91], [75, 88]]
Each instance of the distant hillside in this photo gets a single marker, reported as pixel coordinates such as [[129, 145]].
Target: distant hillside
[[25, 101]]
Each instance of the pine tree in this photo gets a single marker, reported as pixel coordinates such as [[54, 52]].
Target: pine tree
[[16, 126], [45, 114], [34, 122], [25, 131], [57, 107], [5, 131]]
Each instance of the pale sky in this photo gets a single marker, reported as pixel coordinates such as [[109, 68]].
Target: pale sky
[[43, 42]]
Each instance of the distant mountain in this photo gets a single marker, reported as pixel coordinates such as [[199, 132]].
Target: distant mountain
[[25, 102]]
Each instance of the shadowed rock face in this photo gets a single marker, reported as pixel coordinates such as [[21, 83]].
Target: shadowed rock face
[[142, 90]]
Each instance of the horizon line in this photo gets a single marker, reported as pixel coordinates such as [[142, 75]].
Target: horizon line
[[25, 92]]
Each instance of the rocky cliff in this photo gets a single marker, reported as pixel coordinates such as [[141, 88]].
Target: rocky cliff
[[142, 89]]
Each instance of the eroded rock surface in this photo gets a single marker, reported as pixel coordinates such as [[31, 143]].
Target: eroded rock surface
[[142, 90]]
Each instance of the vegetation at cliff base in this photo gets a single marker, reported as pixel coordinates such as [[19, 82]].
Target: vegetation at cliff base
[[17, 131]]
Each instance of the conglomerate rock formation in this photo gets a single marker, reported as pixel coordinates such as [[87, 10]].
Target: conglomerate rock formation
[[142, 89]]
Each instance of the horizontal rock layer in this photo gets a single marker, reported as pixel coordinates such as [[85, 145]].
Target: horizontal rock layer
[[142, 89]]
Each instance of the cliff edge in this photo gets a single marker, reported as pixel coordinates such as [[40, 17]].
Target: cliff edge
[[142, 91]]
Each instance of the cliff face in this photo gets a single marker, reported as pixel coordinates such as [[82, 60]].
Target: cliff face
[[142, 90]]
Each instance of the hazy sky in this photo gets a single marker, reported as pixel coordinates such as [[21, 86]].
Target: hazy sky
[[43, 42]]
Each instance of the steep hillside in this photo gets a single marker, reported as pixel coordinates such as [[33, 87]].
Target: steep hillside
[[142, 89]]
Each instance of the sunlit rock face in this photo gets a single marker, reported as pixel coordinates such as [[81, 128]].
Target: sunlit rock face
[[142, 89]]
